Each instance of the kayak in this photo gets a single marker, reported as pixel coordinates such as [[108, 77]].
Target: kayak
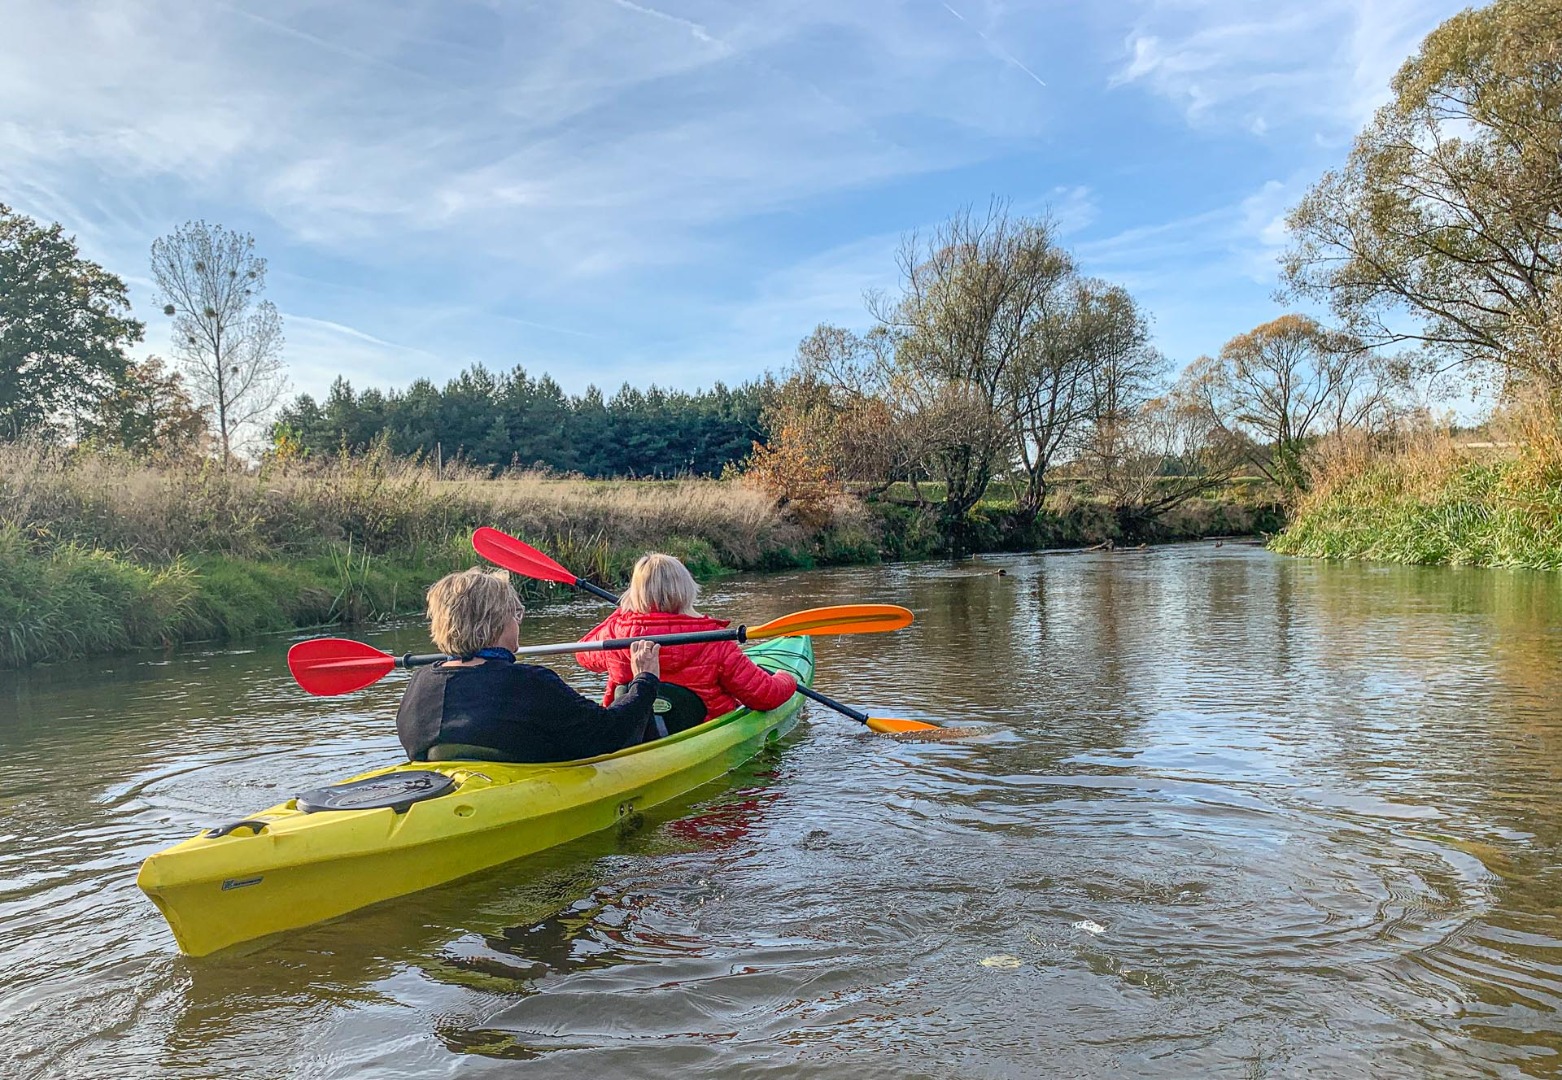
[[305, 860]]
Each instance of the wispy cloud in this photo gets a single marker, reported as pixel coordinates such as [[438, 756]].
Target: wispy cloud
[[669, 189], [1324, 65], [1206, 276]]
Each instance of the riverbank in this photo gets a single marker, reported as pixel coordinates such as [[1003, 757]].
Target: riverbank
[[1431, 500], [99, 555]]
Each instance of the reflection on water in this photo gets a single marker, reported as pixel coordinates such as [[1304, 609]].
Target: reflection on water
[[1231, 815]]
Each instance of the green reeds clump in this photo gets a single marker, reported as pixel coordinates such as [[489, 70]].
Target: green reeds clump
[[72, 602], [1430, 500]]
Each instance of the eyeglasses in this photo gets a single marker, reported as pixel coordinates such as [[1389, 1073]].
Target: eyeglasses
[[520, 612]]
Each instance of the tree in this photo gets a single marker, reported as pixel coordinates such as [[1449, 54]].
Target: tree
[[1166, 451], [1093, 365], [64, 327], [972, 314], [1449, 209], [148, 413], [843, 399], [1279, 386], [228, 340]]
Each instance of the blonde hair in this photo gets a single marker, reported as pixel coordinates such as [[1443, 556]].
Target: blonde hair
[[660, 583], [468, 610]]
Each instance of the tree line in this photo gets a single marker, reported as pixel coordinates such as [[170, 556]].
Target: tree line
[[513, 419], [67, 376], [998, 358]]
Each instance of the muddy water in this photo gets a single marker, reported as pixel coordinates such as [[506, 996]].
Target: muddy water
[[1231, 815]]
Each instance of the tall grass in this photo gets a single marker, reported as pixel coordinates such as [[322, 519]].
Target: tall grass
[[1425, 499], [98, 553], [378, 503]]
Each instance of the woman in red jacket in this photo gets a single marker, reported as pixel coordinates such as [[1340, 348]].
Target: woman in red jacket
[[660, 600]]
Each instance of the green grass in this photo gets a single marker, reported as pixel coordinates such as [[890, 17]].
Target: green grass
[[1475, 513]]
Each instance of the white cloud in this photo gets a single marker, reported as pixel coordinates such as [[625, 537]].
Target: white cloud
[[584, 138], [1324, 64]]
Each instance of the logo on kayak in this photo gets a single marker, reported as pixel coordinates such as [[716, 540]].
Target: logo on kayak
[[239, 883]]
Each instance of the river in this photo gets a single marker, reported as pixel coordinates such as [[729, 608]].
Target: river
[[1228, 814]]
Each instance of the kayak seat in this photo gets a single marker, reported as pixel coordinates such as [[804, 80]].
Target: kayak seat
[[677, 708], [397, 790]]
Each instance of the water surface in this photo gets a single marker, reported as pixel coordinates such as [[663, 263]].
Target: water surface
[[1232, 815]]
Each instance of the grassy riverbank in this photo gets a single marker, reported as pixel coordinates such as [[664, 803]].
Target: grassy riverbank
[[1432, 500], [99, 555]]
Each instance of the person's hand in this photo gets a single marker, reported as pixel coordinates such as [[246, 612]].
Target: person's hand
[[645, 656]]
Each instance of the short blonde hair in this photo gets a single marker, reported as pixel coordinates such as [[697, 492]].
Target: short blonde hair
[[468, 610], [660, 583]]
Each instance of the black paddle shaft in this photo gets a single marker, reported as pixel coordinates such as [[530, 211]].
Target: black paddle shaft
[[694, 637]]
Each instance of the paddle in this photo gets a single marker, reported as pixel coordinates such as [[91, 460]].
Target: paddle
[[329, 666], [504, 550]]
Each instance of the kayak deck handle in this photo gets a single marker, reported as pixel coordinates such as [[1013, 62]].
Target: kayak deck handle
[[256, 824]]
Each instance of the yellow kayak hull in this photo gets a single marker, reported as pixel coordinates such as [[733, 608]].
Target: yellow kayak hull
[[291, 868]]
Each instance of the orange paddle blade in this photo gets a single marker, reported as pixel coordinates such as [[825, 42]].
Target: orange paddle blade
[[891, 726], [840, 619], [329, 666]]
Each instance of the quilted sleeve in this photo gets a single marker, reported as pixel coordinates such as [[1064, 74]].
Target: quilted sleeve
[[751, 684]]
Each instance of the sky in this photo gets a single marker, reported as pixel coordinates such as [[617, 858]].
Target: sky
[[677, 191]]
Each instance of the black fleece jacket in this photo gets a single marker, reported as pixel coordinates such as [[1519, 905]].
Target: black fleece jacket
[[525, 711]]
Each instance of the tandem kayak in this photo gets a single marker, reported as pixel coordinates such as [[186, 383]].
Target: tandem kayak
[[304, 861]]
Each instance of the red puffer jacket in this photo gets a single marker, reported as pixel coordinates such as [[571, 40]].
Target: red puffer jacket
[[716, 670]]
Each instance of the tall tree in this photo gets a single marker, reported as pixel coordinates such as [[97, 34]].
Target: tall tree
[[1449, 209], [972, 312], [1281, 385], [226, 337], [64, 327], [1092, 364]]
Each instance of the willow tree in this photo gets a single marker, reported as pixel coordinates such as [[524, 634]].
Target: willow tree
[[972, 315], [1280, 386], [227, 339], [1444, 227]]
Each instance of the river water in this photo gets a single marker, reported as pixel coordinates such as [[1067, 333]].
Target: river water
[[1228, 815]]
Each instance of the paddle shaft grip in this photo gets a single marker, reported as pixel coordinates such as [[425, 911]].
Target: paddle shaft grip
[[411, 660], [831, 703], [695, 637], [596, 590]]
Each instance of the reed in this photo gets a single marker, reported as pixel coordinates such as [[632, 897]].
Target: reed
[[1424, 498], [100, 554]]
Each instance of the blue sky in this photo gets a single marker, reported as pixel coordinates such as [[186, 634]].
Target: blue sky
[[677, 192]]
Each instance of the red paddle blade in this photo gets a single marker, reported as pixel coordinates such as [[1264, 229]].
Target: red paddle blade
[[504, 550], [329, 666]]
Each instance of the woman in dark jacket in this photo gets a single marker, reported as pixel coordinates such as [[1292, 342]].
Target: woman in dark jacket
[[486, 705]]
